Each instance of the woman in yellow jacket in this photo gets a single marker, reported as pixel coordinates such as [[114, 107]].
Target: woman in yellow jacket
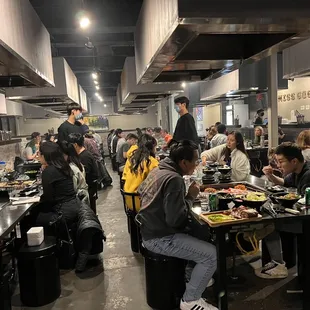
[[141, 161]]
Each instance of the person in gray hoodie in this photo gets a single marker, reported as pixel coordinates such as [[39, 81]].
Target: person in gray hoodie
[[164, 213]]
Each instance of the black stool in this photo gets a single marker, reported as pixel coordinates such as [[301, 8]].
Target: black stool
[[165, 280], [133, 228], [38, 271]]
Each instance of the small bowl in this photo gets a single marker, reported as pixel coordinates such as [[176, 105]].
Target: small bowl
[[253, 203], [287, 203], [223, 170], [208, 171], [212, 165], [223, 200]]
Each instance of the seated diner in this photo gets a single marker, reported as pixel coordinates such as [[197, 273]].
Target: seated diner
[[165, 208], [232, 154], [296, 170], [32, 147], [303, 142], [140, 163]]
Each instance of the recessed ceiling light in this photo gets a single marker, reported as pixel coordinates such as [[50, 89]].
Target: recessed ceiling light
[[94, 75], [96, 82], [84, 22], [183, 85], [105, 105], [97, 94], [97, 87]]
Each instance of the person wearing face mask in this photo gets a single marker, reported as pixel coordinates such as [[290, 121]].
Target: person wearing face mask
[[232, 154], [164, 213], [185, 128], [74, 112]]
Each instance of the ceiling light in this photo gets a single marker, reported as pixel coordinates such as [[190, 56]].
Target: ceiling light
[[96, 82], [183, 85], [84, 22], [101, 100], [97, 87], [105, 105], [94, 75], [96, 94]]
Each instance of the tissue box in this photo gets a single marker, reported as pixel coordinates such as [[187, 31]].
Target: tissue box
[[35, 236]]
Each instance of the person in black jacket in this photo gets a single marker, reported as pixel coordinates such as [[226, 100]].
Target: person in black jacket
[[90, 165], [185, 128], [89, 236]]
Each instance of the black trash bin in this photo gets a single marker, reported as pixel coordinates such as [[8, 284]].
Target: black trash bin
[[165, 280], [38, 270]]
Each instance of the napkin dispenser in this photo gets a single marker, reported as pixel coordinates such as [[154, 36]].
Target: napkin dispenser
[[35, 236]]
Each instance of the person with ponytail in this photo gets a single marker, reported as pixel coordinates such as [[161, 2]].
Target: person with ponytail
[[141, 161], [78, 170]]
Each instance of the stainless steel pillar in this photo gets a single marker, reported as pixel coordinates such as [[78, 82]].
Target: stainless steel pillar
[[272, 101]]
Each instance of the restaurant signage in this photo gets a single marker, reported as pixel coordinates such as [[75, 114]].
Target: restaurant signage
[[293, 96]]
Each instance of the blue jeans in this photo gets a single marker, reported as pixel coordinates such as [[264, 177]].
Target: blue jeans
[[192, 249]]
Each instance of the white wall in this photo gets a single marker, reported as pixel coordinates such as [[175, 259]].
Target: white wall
[[296, 97], [211, 114], [28, 126]]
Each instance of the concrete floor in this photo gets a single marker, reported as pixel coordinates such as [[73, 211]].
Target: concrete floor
[[120, 284]]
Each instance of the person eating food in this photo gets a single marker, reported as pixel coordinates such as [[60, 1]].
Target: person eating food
[[292, 163], [165, 207], [232, 154], [32, 147]]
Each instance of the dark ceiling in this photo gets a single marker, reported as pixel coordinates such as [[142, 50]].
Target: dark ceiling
[[111, 32]]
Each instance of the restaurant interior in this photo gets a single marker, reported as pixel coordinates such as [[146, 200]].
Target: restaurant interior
[[98, 98]]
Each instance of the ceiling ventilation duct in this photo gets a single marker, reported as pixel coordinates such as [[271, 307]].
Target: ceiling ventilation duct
[[244, 82], [56, 98], [139, 107], [83, 99], [296, 60], [142, 95], [181, 40], [25, 48]]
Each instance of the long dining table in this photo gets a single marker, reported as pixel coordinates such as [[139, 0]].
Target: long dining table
[[220, 242]]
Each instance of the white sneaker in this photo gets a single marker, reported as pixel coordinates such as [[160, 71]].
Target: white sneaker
[[199, 304], [272, 270]]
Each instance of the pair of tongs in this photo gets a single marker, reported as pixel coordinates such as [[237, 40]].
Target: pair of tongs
[[268, 208]]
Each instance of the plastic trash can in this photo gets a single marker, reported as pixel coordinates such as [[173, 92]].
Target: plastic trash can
[[165, 280], [38, 270]]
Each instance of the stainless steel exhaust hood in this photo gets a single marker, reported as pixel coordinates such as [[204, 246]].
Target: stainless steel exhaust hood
[[57, 98], [25, 48], [246, 81], [138, 107], [296, 60], [135, 95], [179, 40], [83, 99]]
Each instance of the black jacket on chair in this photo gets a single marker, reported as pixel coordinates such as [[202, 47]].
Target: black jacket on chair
[[87, 219]]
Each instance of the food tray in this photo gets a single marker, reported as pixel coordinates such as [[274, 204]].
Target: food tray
[[233, 184], [204, 217]]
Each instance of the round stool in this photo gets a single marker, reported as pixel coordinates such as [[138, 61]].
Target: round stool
[[38, 270], [165, 280]]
